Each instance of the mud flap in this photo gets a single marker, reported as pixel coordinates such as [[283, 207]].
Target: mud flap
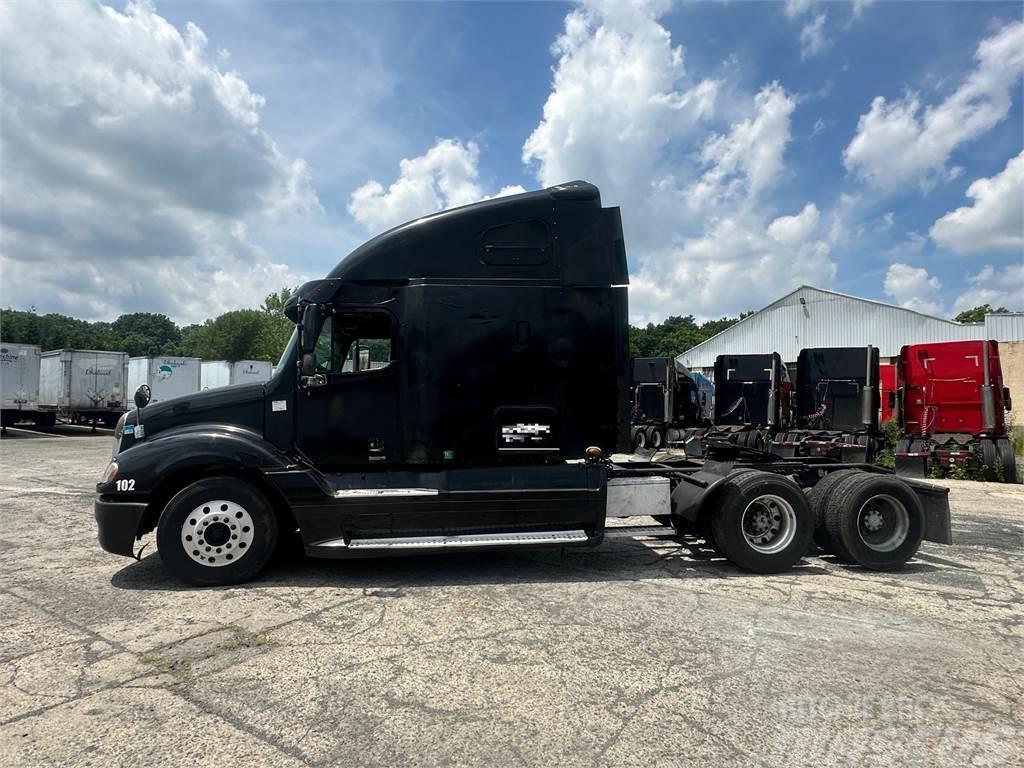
[[691, 491], [911, 466], [938, 524], [853, 454]]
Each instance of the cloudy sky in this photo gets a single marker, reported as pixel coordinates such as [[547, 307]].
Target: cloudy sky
[[188, 158]]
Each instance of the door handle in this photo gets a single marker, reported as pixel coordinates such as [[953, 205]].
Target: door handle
[[316, 380]]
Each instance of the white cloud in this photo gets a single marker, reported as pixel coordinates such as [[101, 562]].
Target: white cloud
[[998, 288], [446, 176], [812, 37], [796, 8], [859, 6], [913, 244], [913, 288], [132, 165], [621, 103], [624, 113], [748, 160], [899, 143], [793, 230], [734, 266], [996, 219]]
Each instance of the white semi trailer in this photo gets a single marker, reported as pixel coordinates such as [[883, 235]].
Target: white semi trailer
[[19, 385], [222, 373], [85, 386], [167, 376]]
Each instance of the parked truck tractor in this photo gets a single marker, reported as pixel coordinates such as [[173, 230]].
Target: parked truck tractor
[[836, 405], [752, 402], [667, 400], [461, 382], [951, 404]]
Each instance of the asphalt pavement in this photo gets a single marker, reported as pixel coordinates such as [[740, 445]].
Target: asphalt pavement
[[636, 653]]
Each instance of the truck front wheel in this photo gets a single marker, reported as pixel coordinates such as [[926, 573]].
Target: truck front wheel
[[216, 531], [762, 523]]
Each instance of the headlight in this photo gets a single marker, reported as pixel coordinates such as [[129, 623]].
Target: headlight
[[110, 474]]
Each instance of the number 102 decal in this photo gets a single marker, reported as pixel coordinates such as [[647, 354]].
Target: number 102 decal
[[127, 484]]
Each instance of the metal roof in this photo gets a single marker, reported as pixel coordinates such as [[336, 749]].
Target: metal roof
[[814, 317]]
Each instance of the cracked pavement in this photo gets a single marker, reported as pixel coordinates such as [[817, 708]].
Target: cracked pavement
[[635, 653]]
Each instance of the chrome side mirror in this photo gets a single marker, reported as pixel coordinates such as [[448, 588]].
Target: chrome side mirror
[[142, 396]]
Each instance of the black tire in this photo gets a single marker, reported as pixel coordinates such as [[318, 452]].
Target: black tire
[[188, 508], [640, 439], [899, 513], [656, 438], [818, 498], [989, 456], [1005, 448], [749, 500]]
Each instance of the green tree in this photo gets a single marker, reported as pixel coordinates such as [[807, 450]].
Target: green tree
[[274, 303], [145, 333], [279, 327], [977, 314], [674, 335], [19, 327], [57, 331], [242, 334]]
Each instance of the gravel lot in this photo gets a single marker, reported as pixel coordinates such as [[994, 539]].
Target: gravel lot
[[635, 653]]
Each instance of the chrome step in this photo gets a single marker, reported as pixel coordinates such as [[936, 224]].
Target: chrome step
[[525, 538], [632, 531]]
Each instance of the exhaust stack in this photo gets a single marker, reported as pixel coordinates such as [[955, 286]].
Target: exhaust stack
[[988, 400], [867, 395]]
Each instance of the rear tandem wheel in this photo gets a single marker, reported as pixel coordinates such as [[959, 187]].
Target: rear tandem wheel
[[762, 522], [874, 520]]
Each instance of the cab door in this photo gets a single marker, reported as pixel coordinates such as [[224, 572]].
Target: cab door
[[347, 414]]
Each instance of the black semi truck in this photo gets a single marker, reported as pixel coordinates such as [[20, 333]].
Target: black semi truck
[[666, 401], [495, 392], [752, 403], [837, 402]]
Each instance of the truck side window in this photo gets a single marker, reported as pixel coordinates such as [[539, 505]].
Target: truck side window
[[323, 352], [358, 342]]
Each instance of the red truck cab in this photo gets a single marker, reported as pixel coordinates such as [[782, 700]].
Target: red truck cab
[[951, 404]]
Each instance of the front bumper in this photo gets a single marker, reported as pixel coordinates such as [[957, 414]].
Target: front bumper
[[118, 524]]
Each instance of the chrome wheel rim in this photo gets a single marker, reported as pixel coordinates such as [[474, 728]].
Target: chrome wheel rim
[[883, 523], [217, 533], [768, 524]]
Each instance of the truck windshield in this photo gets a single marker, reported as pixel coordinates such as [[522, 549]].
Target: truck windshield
[[289, 351]]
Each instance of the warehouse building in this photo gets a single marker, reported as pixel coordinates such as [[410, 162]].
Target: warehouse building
[[813, 317]]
